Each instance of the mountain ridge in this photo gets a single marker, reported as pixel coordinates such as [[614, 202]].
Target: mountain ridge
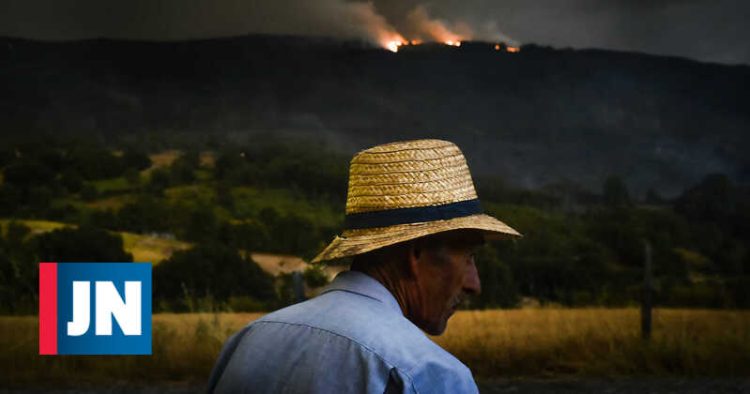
[[532, 118]]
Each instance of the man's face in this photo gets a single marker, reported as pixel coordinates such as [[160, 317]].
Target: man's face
[[445, 273]]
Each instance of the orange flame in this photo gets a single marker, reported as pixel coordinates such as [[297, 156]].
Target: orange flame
[[393, 45], [512, 49], [392, 41]]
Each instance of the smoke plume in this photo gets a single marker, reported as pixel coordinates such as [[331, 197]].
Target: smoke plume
[[190, 19], [424, 28]]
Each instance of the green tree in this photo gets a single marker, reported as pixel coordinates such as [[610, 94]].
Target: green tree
[[19, 278], [71, 180], [145, 214], [228, 165], [132, 176], [713, 200], [210, 270], [136, 160], [252, 236], [719, 212], [96, 163], [224, 195], [39, 198], [183, 169], [202, 225], [10, 198], [159, 180], [498, 287], [27, 174], [81, 244]]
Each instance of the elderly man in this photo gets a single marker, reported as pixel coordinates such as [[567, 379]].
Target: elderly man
[[412, 223]]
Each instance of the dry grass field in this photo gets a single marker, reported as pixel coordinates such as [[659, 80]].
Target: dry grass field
[[150, 248], [37, 226], [529, 343], [600, 342]]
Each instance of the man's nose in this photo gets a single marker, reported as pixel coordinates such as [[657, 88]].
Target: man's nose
[[472, 284]]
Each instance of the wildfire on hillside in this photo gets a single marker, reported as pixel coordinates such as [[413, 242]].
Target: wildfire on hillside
[[507, 48], [421, 29], [394, 45]]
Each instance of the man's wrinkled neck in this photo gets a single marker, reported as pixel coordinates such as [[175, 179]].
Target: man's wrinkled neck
[[396, 281]]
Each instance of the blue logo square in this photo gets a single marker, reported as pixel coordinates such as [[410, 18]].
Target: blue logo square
[[104, 308]]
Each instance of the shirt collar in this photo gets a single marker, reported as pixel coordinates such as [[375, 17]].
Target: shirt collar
[[363, 284]]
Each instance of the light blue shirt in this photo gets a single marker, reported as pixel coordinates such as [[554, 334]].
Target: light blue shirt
[[353, 338]]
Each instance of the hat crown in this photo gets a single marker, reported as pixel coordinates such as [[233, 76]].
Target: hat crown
[[408, 174]]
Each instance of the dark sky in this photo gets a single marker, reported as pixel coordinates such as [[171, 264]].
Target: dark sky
[[707, 30]]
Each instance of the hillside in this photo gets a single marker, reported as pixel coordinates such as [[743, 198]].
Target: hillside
[[531, 118], [199, 211]]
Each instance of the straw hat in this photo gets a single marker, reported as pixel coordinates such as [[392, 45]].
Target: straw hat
[[406, 190]]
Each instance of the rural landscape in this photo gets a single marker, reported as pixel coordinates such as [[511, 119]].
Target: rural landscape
[[573, 283], [228, 182]]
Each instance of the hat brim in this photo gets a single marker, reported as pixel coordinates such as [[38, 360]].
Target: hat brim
[[354, 242]]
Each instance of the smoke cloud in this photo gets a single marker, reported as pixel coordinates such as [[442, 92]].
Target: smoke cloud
[[421, 25], [189, 19], [426, 28], [709, 30]]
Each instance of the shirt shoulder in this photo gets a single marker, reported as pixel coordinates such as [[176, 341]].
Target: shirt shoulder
[[352, 338], [442, 376], [376, 328]]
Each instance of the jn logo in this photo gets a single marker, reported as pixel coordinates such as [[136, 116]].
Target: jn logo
[[94, 308]]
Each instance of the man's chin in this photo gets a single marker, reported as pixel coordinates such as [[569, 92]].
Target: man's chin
[[433, 328], [436, 329]]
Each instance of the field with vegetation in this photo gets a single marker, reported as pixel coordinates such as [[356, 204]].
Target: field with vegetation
[[531, 343], [198, 206], [199, 209]]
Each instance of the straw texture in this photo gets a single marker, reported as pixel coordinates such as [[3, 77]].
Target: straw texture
[[408, 174]]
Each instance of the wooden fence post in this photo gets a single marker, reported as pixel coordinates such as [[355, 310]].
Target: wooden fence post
[[646, 299]]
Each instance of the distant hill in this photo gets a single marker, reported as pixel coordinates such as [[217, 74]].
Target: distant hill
[[532, 118]]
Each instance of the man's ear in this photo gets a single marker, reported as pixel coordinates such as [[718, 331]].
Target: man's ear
[[412, 255]]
